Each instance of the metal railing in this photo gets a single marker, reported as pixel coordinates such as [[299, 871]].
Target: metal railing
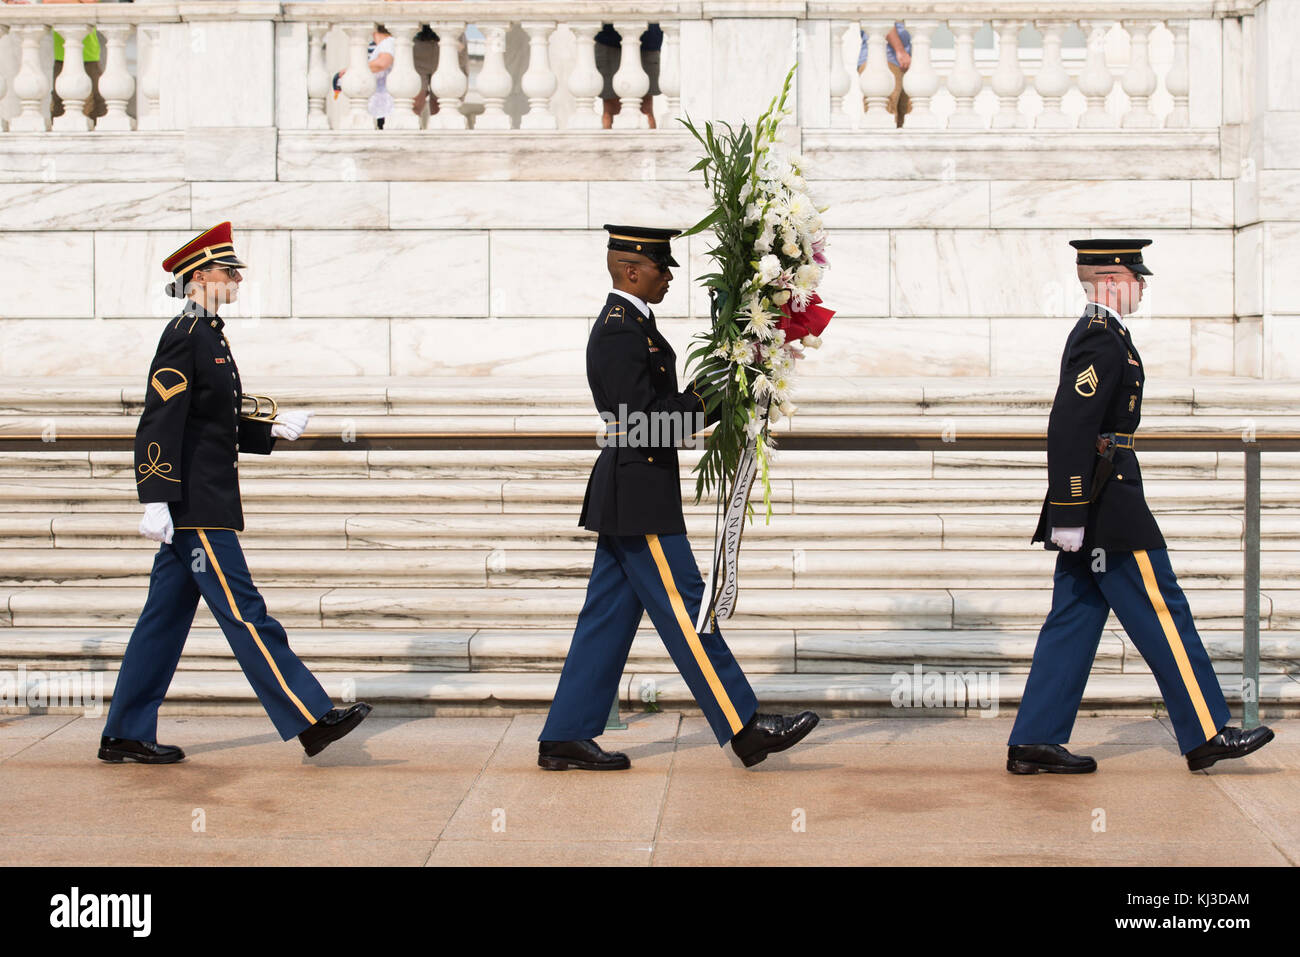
[[1250, 445]]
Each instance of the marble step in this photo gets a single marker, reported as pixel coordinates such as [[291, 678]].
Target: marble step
[[431, 395], [811, 417], [560, 531], [55, 495], [903, 694], [576, 465], [526, 650], [455, 607], [763, 564]]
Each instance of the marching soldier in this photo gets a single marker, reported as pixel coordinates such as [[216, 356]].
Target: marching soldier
[[643, 561], [187, 446], [1111, 553]]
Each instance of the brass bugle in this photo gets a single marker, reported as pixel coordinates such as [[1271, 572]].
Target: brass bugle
[[264, 407]]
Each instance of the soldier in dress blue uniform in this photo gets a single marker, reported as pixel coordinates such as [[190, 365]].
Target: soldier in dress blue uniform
[[643, 561], [1111, 553], [187, 446]]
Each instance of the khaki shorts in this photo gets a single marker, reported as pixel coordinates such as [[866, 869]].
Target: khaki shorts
[[608, 59]]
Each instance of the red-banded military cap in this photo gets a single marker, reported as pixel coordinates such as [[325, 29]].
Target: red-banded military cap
[[1112, 252], [644, 240], [208, 248]]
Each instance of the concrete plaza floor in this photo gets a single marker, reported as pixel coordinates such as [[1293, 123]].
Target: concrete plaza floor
[[463, 791]]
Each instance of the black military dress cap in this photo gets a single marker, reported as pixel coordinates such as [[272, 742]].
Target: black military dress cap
[[645, 240], [1112, 252]]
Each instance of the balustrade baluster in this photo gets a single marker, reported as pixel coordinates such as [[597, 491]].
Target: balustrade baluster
[[1139, 79], [449, 84], [966, 80], [31, 83], [403, 82], [1052, 81], [358, 82], [116, 85], [149, 86], [73, 84], [1096, 80], [921, 81], [840, 83], [1008, 79], [876, 81], [1178, 79], [670, 71], [538, 82], [494, 81], [318, 78], [585, 81], [631, 83]]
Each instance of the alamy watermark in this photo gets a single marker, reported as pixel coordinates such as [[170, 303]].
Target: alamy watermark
[[42, 690], [945, 689], [635, 429]]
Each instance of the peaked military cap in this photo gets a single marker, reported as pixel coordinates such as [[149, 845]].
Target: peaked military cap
[[213, 247], [1112, 252], [645, 240]]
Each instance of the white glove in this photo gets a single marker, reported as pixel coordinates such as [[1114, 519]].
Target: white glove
[[290, 425], [157, 522], [1069, 539]]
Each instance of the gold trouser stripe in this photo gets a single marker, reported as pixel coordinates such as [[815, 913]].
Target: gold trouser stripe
[[234, 610], [1175, 643], [692, 639]]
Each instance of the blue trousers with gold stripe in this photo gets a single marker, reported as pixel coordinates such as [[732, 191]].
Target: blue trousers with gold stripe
[[1141, 588], [209, 562], [633, 574]]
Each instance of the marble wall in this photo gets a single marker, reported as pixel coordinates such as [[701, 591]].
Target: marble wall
[[501, 279], [430, 253]]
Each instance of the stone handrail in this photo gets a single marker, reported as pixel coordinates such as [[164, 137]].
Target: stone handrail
[[278, 58]]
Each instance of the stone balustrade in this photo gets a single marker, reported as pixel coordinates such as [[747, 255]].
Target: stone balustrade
[[976, 65]]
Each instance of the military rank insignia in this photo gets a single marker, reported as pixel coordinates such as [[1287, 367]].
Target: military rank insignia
[[1085, 383], [1076, 486], [168, 383], [615, 312]]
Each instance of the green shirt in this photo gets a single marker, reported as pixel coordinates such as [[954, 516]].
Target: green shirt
[[89, 47]]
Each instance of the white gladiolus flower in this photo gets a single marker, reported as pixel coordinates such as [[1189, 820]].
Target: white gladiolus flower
[[753, 427], [769, 268], [788, 408], [752, 214]]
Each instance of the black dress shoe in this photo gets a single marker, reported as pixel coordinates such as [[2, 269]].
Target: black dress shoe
[[117, 750], [769, 733], [1230, 742], [1052, 758], [583, 755], [331, 726]]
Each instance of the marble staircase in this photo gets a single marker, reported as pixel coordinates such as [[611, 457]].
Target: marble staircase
[[448, 581]]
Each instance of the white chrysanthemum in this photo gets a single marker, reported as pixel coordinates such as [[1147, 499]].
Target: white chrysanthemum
[[808, 275], [742, 350], [761, 386], [769, 268], [760, 324]]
